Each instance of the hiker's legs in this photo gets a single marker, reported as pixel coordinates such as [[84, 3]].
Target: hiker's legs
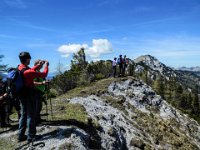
[[31, 113], [38, 106], [7, 113], [120, 70], [3, 116], [23, 118], [9, 109], [114, 71], [17, 106], [123, 69]]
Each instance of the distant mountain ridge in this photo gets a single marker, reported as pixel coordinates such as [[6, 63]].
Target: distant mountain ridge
[[194, 69]]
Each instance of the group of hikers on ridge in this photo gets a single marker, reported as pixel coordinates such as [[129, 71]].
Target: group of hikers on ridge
[[24, 90], [122, 62], [28, 97]]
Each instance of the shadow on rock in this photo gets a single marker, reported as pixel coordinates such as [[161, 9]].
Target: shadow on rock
[[10, 128], [92, 139]]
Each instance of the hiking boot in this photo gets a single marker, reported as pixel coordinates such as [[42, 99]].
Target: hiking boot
[[36, 137], [29, 141], [22, 138]]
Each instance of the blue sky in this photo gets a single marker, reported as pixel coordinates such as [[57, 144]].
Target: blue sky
[[53, 30]]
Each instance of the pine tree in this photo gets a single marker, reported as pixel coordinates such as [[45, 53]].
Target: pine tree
[[179, 89], [159, 86], [195, 104], [79, 62]]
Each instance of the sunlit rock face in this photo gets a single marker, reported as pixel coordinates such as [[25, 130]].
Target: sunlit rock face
[[131, 115]]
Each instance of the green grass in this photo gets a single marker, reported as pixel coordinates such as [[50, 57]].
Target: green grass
[[8, 143], [70, 111], [96, 88]]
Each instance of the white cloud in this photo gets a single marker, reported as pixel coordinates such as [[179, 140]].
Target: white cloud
[[65, 55], [98, 48], [70, 48]]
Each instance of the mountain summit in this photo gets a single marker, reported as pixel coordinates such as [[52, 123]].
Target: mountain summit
[[151, 62], [153, 66]]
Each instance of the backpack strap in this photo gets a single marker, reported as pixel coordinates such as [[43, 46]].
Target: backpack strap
[[22, 72], [24, 69]]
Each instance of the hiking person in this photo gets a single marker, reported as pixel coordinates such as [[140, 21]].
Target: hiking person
[[27, 98], [13, 96], [127, 69], [120, 63], [114, 66], [3, 99], [124, 65], [40, 86]]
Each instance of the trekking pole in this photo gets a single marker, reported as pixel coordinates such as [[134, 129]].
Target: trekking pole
[[51, 107], [46, 105], [48, 91]]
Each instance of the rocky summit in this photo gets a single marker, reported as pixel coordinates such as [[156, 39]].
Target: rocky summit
[[124, 113], [156, 69], [154, 66]]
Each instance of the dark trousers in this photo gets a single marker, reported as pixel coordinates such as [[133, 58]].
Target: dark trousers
[[114, 71], [124, 69], [39, 99], [3, 115], [120, 69], [28, 114]]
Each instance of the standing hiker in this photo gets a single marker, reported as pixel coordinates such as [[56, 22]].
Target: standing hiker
[[27, 97], [40, 84], [114, 66], [12, 94], [124, 65], [120, 63], [3, 98]]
